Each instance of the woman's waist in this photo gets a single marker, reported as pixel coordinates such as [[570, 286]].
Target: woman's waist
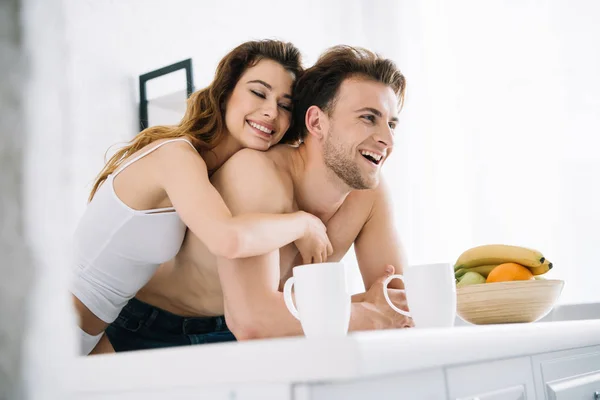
[[182, 300]]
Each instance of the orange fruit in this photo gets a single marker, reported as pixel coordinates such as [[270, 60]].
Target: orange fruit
[[509, 272]]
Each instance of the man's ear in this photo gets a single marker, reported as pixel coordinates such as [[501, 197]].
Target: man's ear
[[315, 122]]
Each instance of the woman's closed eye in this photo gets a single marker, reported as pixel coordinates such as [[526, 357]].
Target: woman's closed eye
[[263, 96], [259, 94]]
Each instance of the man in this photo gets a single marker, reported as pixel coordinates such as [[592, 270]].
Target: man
[[346, 107]]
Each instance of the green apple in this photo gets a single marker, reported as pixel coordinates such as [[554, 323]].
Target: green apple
[[470, 278]]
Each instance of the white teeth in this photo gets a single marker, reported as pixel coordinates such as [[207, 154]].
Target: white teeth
[[260, 127], [377, 157]]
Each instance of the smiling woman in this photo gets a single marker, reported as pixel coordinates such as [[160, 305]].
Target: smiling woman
[[273, 98]]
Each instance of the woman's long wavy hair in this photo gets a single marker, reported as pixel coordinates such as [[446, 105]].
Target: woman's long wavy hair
[[204, 120]]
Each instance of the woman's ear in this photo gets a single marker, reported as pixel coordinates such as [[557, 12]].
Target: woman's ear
[[315, 121]]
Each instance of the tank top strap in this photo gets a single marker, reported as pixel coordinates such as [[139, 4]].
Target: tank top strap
[[128, 163]]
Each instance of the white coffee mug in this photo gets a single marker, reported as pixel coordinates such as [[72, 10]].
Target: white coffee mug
[[430, 293], [322, 299]]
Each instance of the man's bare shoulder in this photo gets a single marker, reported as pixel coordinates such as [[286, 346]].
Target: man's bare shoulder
[[277, 156], [258, 177], [360, 204], [376, 200], [246, 157]]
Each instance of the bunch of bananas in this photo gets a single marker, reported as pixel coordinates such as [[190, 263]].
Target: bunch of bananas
[[482, 260]]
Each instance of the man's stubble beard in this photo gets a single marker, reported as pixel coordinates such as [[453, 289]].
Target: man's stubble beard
[[341, 161]]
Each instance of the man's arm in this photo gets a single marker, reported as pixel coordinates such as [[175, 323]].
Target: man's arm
[[254, 308], [378, 243], [377, 247]]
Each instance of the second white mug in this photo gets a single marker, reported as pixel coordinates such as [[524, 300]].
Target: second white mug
[[430, 293]]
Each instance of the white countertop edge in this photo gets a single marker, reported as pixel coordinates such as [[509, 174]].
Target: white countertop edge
[[385, 352], [361, 354]]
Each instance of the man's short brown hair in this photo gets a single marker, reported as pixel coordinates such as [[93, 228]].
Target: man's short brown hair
[[319, 84]]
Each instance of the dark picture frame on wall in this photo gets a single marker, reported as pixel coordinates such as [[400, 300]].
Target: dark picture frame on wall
[[185, 65]]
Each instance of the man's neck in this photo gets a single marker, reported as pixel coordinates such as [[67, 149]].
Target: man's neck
[[316, 188]]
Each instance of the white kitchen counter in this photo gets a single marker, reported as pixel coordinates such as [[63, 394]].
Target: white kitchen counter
[[290, 361]]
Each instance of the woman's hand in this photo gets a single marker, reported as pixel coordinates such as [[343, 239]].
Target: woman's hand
[[314, 246]]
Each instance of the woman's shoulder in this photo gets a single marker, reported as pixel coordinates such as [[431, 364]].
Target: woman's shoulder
[[180, 144], [166, 145], [164, 157], [178, 149]]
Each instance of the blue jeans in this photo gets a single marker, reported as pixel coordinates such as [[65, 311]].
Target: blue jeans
[[143, 326]]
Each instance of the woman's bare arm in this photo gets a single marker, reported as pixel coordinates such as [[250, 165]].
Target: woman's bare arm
[[184, 176]]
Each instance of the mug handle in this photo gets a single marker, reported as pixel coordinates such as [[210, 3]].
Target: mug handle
[[387, 297], [287, 297]]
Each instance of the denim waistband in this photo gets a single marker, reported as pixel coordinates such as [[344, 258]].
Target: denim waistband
[[172, 323]]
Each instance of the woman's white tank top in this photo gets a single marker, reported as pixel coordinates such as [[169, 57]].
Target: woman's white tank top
[[118, 249]]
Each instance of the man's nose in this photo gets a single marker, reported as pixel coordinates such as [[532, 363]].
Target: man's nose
[[385, 136]]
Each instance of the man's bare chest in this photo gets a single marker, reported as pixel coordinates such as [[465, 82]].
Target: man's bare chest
[[342, 230]]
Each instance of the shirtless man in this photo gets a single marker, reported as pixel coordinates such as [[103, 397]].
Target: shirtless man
[[346, 108]]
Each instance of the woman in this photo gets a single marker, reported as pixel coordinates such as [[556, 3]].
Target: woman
[[157, 185]]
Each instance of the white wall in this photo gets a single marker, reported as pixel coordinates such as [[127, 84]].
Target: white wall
[[508, 129]]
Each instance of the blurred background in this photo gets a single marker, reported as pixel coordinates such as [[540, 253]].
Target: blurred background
[[497, 141]]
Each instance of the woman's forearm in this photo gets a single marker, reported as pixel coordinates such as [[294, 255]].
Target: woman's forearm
[[255, 234]]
